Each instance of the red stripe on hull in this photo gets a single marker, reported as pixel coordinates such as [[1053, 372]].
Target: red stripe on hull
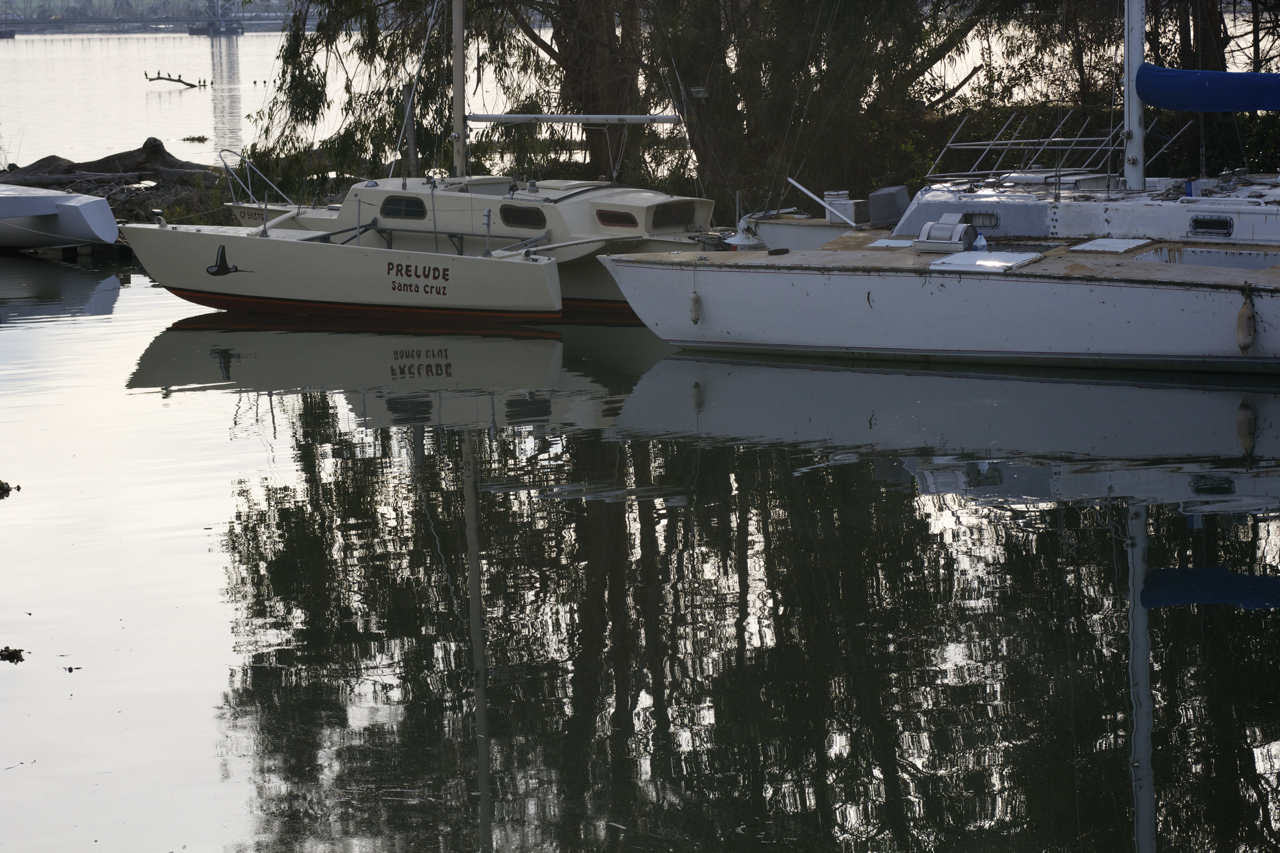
[[336, 309], [599, 312], [239, 321]]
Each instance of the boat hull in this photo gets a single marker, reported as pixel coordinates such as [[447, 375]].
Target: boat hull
[[32, 218], [914, 313], [236, 269]]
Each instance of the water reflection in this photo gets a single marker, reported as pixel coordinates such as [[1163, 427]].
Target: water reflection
[[563, 595], [32, 289], [224, 84], [574, 377]]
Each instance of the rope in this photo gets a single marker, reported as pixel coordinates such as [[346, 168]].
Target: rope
[[813, 38], [413, 92], [676, 71], [193, 215]]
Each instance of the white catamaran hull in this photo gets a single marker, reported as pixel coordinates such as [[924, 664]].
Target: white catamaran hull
[[236, 269], [33, 218], [812, 304]]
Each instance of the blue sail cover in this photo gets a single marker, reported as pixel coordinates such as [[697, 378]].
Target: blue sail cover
[[1207, 91]]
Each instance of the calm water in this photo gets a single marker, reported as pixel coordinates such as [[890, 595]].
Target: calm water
[[304, 590], [86, 96]]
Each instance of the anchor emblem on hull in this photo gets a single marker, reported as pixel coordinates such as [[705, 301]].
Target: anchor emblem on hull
[[220, 266]]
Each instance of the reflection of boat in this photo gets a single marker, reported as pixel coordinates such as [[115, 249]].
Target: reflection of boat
[[33, 218], [1034, 436], [571, 378], [35, 289], [1138, 275]]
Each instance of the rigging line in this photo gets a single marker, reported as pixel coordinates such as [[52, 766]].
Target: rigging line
[[413, 91], [724, 177], [698, 186], [835, 104], [812, 58], [813, 40], [854, 69], [1111, 125], [1244, 155]]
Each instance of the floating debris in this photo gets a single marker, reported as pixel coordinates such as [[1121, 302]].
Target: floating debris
[[11, 655], [195, 139], [6, 489]]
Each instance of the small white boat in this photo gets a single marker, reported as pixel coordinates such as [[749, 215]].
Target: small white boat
[[34, 218], [473, 248], [569, 222], [1086, 273], [1087, 305]]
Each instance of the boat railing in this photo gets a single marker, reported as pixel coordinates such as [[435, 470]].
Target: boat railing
[[520, 248], [250, 171], [1072, 154], [457, 238]]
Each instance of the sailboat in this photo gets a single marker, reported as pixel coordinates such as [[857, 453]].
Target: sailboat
[[1135, 275], [474, 248]]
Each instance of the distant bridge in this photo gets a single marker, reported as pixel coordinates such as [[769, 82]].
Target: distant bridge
[[257, 22]]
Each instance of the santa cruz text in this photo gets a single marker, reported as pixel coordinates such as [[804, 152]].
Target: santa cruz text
[[419, 277]]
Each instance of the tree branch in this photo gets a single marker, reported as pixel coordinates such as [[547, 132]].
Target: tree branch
[[951, 93], [532, 35]]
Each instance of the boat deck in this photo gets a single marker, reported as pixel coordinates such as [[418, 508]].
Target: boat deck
[[1197, 264]]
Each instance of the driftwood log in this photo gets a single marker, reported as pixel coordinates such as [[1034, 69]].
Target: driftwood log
[[151, 162], [138, 183]]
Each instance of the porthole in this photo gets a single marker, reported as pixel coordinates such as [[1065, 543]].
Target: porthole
[[403, 207], [518, 216], [615, 219], [677, 214], [1212, 226]]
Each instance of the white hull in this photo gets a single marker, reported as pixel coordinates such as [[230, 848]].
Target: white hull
[[1117, 312], [283, 273], [798, 235], [570, 222], [32, 218]]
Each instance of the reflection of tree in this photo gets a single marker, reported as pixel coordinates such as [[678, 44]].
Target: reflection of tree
[[1218, 695], [822, 661]]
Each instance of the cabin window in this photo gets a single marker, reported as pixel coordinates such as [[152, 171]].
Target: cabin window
[[1212, 226], [679, 214], [403, 207], [982, 220], [616, 219], [518, 216]]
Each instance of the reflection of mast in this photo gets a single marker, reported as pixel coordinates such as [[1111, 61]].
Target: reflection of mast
[[477, 643], [225, 87], [1144, 796]]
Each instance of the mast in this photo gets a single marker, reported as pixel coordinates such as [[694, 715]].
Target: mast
[[460, 88], [1134, 37]]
